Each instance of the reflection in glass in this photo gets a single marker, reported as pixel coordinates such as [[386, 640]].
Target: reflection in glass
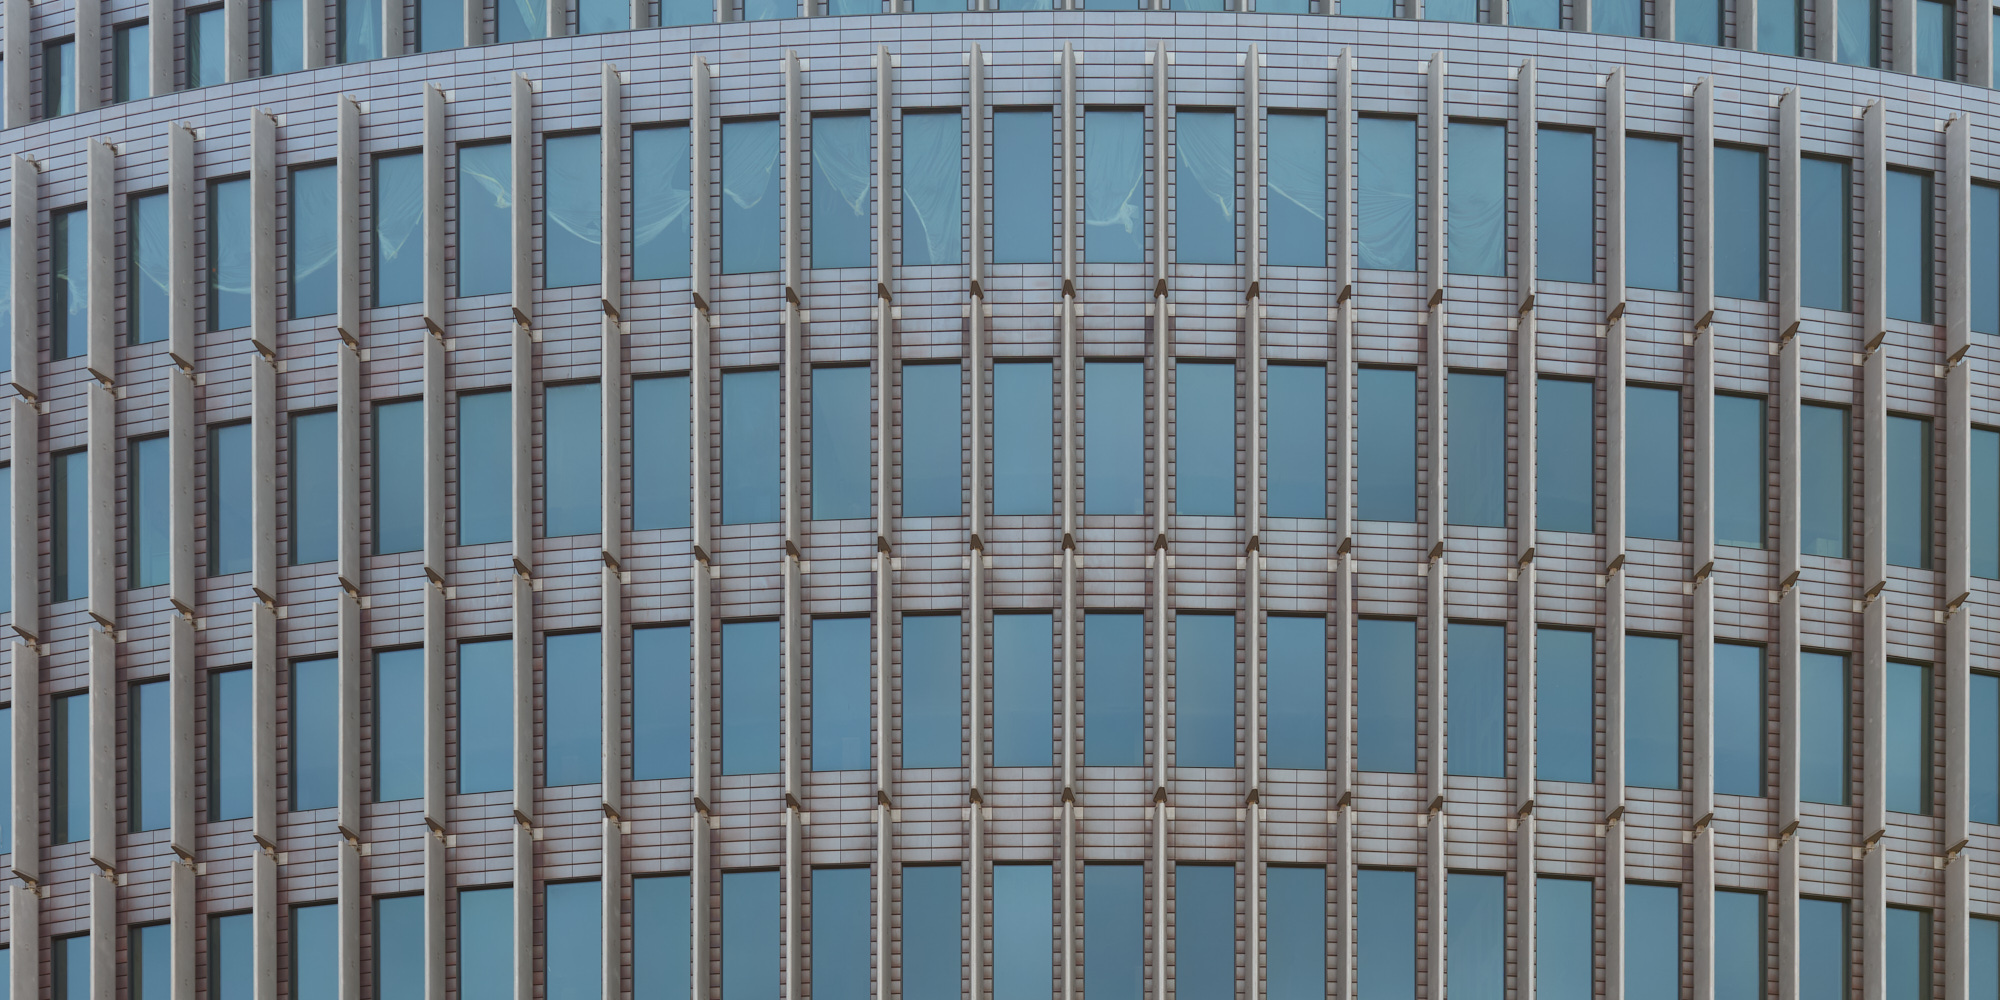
[[1204, 690], [1738, 703], [149, 490], [1476, 700], [573, 710], [841, 433], [59, 77], [1386, 695], [150, 766], [1857, 24], [840, 933], [1296, 447], [750, 195], [1023, 437], [1739, 945], [1295, 195], [1476, 925], [397, 724], [573, 944], [440, 25], [399, 229], [486, 941], [750, 697], [1823, 728], [228, 261], [314, 733], [1565, 204], [398, 479], [485, 467], [132, 57], [1476, 225], [1386, 449], [1909, 246], [1386, 934], [1114, 929], [1476, 448], [841, 190], [1652, 941], [360, 33], [573, 460], [485, 716], [662, 474], [229, 493], [486, 215], [660, 197], [841, 685], [1387, 193], [1740, 483], [1204, 183], [229, 750], [1114, 688], [750, 935], [1908, 523], [573, 205], [749, 446], [933, 220], [1824, 480], [1205, 438], [662, 705], [1023, 932], [1565, 705], [518, 20], [663, 935], [1114, 208], [1114, 447], [1565, 454], [1023, 671], [933, 456], [148, 249], [315, 211], [1652, 711], [1823, 949], [1909, 738], [1564, 939], [933, 690], [69, 283], [1652, 462], [1652, 212], [1024, 184], [208, 47], [1740, 182], [1826, 233], [1295, 668], [1984, 749]]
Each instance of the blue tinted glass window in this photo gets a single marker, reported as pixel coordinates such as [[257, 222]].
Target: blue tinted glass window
[[69, 525], [150, 962], [1114, 430], [1023, 437], [150, 764], [399, 229], [1205, 438], [1983, 954], [750, 935], [1367, 8], [1565, 705], [841, 925], [228, 261], [1653, 462], [132, 64], [1386, 695], [486, 942], [313, 489], [6, 304], [1476, 448], [1652, 711], [1565, 455], [1565, 204], [360, 34], [662, 938], [398, 500], [933, 941], [1823, 728], [1386, 934], [485, 467], [1023, 934], [1824, 480], [486, 716], [1476, 228], [149, 491], [440, 25], [1295, 187], [69, 967], [398, 725], [1205, 187], [662, 474], [1909, 487], [1985, 263], [1908, 249], [574, 946], [1565, 932], [1738, 702], [679, 12], [399, 948], [933, 222], [1826, 232], [229, 745], [750, 697], [842, 429], [69, 283], [313, 276], [1740, 182], [841, 687], [749, 446], [662, 702], [1295, 938], [1204, 953], [1204, 697], [1652, 942], [518, 20], [1907, 935], [1984, 749], [1856, 28], [1740, 483], [1823, 949], [232, 967], [1023, 679], [573, 460], [750, 196], [1535, 13], [933, 440], [1652, 210], [1296, 441], [597, 16], [572, 205], [842, 186], [1476, 699], [1909, 737], [661, 192], [1615, 17], [1984, 530], [229, 493], [1387, 190], [573, 719], [1778, 27], [1295, 669], [1114, 688], [933, 683], [1700, 22], [314, 733], [1739, 946], [1387, 447], [1114, 931], [1024, 186], [1476, 926], [485, 217], [1114, 187], [147, 249]]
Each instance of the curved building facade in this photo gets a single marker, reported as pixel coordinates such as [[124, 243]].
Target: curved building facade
[[1005, 504]]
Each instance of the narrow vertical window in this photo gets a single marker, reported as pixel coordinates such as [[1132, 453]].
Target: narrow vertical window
[[132, 63], [841, 689], [59, 78], [1565, 933], [1023, 186], [1535, 14], [1205, 438], [842, 190], [1909, 488], [1652, 711], [750, 195], [1983, 958], [1824, 480], [1565, 455], [150, 963], [1296, 441], [573, 706], [1984, 749], [485, 716], [750, 935], [1652, 212], [933, 215], [933, 452], [1114, 688], [662, 473], [229, 744], [6, 299], [398, 234], [1699, 23], [311, 273], [1114, 431], [661, 192], [399, 947], [1204, 952], [1114, 186], [1653, 462], [662, 703], [147, 250], [440, 25], [1616, 17], [1476, 226], [485, 467], [1652, 941], [1204, 698], [598, 16], [228, 260], [1909, 738], [312, 487], [397, 499], [1205, 187], [359, 24], [1937, 41], [1824, 969], [207, 47], [69, 525], [69, 283], [1023, 437], [229, 493], [1741, 215], [1826, 231], [1466, 11], [663, 937], [1296, 933], [148, 496], [1565, 705], [314, 733], [315, 941], [1386, 460], [1023, 675], [1476, 925], [1907, 935], [232, 957], [674, 13], [1738, 704], [519, 21], [933, 690], [750, 697], [1740, 482], [572, 460], [841, 925], [283, 35], [1295, 188], [1387, 191], [1024, 965], [749, 446], [572, 207], [398, 724], [69, 967], [1985, 263], [1386, 695], [842, 430], [1908, 245], [486, 942], [1114, 931], [1778, 27], [1476, 448], [1386, 934], [573, 945], [150, 751], [1295, 668], [1739, 945], [933, 939], [486, 216], [1476, 700], [1565, 204], [1824, 729]]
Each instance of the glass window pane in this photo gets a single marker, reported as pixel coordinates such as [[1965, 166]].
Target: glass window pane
[[841, 690], [1114, 430], [1386, 695], [518, 20], [842, 190], [1985, 263], [360, 30], [1565, 204], [1295, 195], [1565, 705], [574, 946], [1023, 437], [842, 431], [1386, 934], [398, 495], [1615, 17], [1023, 934], [1388, 193], [662, 474], [1205, 438], [1653, 462], [749, 446], [151, 750], [933, 415], [69, 283], [1296, 443], [933, 219], [1937, 44], [6, 303], [316, 952], [485, 217], [1983, 953], [150, 963], [1205, 187], [1984, 748], [131, 57], [750, 195], [69, 967], [1740, 482], [1295, 669], [1296, 932], [1738, 702], [228, 260], [661, 192], [1826, 232], [1824, 480], [1476, 700], [573, 460], [1476, 226], [1204, 696], [229, 495], [485, 467], [1114, 931], [311, 274], [1114, 688], [147, 248], [1823, 949], [662, 938], [1114, 186], [1023, 690], [1909, 737], [1476, 448], [1739, 946], [1023, 186], [312, 489], [232, 954], [1778, 27], [398, 725], [229, 749], [485, 942], [1909, 488], [1823, 728], [679, 12], [1908, 248], [1740, 220], [1652, 711], [1984, 530], [1565, 930], [841, 926], [1204, 952], [573, 748], [1908, 939], [486, 716], [933, 941], [1565, 455], [1701, 24], [440, 25], [1386, 459], [750, 697], [573, 205], [399, 229], [1652, 942], [314, 733], [662, 702], [750, 934], [1652, 210], [933, 662], [149, 489], [399, 948], [1476, 927], [69, 525]]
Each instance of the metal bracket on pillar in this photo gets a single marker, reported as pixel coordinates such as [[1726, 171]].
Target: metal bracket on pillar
[[1521, 815], [1950, 855], [1868, 846], [1611, 569], [1868, 597], [611, 813], [437, 830], [1791, 830], [1433, 558], [1521, 564], [1951, 607], [1785, 587], [1434, 812], [1700, 577], [1700, 827], [1615, 817], [521, 820], [354, 840]]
